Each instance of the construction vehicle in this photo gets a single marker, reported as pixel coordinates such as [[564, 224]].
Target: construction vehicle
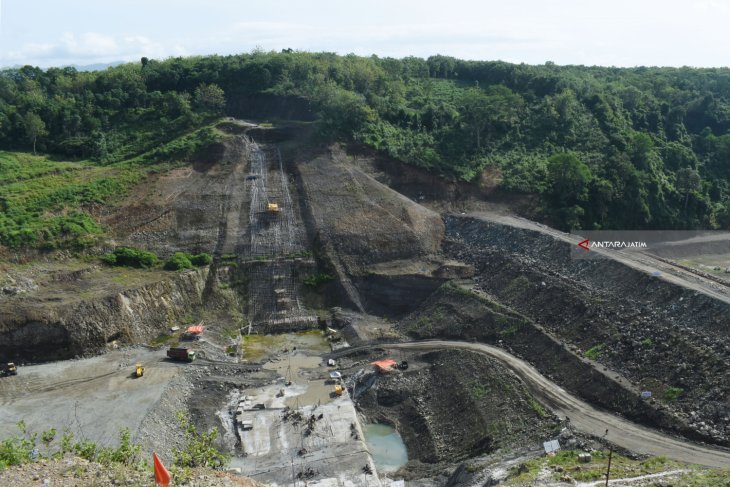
[[273, 208], [138, 370], [8, 368], [339, 389], [181, 354], [193, 332]]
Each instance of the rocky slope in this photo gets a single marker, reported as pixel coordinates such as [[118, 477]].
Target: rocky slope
[[453, 405], [360, 223], [94, 310], [663, 338]]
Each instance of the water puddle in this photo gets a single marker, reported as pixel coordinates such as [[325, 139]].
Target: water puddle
[[257, 348], [386, 446]]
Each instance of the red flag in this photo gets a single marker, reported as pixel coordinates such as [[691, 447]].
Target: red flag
[[162, 476]]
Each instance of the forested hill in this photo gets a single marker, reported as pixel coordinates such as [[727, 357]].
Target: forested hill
[[601, 147]]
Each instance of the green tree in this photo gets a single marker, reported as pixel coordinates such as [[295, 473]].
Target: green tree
[[567, 188], [568, 177], [34, 128], [488, 111], [209, 97], [688, 180], [474, 108]]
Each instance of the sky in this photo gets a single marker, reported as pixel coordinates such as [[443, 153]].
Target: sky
[[606, 32]]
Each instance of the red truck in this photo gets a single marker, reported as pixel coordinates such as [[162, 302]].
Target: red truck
[[181, 354]]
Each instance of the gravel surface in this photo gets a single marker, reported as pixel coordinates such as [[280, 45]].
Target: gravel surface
[[77, 472]]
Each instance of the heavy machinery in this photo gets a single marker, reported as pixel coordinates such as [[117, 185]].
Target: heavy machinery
[[193, 332], [8, 368], [273, 208], [138, 370], [181, 354], [339, 390]]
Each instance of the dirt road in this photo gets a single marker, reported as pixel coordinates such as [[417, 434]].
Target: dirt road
[[637, 260], [584, 416]]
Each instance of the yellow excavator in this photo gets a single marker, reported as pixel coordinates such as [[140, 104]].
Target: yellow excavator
[[138, 370]]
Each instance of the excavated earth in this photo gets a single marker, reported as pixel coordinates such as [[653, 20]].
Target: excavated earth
[[355, 253], [450, 406], [649, 331]]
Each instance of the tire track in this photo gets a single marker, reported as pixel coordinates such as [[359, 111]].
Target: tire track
[[585, 417]]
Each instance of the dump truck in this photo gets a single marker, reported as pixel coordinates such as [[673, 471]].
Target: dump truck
[[181, 354], [8, 368]]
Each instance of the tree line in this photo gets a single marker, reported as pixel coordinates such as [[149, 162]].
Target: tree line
[[596, 147]]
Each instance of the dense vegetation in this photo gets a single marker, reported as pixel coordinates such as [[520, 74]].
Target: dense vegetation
[[28, 446], [197, 450], [183, 260], [598, 147], [42, 201], [143, 259]]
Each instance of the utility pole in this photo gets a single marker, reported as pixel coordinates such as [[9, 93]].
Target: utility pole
[[610, 454]]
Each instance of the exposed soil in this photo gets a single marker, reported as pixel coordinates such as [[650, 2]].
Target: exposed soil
[[654, 333], [392, 268], [452, 405]]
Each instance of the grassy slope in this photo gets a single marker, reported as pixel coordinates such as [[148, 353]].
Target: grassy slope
[[45, 202], [565, 464]]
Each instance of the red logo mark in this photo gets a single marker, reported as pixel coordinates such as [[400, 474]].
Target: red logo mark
[[584, 245]]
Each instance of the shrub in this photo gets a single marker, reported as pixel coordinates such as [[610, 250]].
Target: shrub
[[24, 448], [595, 352], [673, 393], [537, 407], [127, 453], [199, 449], [315, 280], [131, 257], [178, 262], [17, 449], [201, 259], [477, 390]]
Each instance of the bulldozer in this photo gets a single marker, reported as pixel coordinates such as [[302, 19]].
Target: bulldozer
[[273, 208], [138, 370]]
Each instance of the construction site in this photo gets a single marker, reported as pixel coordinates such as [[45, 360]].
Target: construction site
[[356, 329]]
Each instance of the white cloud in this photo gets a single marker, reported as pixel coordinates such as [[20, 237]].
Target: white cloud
[[619, 32], [89, 48], [397, 39]]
